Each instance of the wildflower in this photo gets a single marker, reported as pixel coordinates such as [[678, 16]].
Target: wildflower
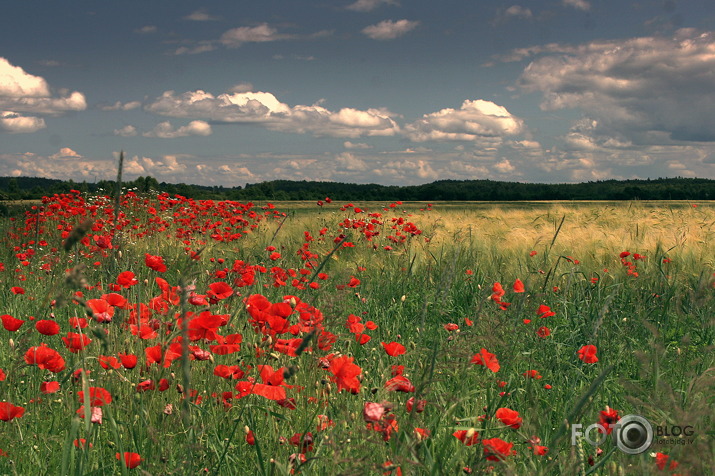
[[496, 449], [47, 327], [509, 417], [45, 358], [608, 417], [544, 311], [587, 353], [155, 262], [49, 387], [10, 323], [393, 349], [131, 460], [8, 411], [468, 437], [345, 373], [486, 359]]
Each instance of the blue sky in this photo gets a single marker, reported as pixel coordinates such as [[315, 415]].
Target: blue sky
[[367, 91]]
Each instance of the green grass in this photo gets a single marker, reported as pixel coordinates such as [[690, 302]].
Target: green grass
[[654, 334]]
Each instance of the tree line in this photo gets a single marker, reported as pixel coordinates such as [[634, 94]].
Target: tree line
[[678, 188]]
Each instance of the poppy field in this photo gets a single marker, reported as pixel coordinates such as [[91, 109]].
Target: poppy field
[[157, 334]]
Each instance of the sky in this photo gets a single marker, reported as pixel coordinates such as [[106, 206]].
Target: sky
[[360, 91]]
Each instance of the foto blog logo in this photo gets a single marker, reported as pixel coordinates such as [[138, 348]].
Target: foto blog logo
[[633, 434]]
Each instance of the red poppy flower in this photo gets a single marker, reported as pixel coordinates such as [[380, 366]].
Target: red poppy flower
[[131, 460], [10, 323], [126, 279], [661, 460], [543, 332], [509, 417], [345, 373], [220, 290], [17, 290], [101, 310], [399, 383], [76, 342], [8, 411], [587, 353], [393, 349], [45, 358], [417, 405], [129, 361], [3, 376], [451, 327], [496, 449], [608, 417], [49, 387], [544, 311], [155, 262], [108, 362], [468, 437], [486, 359], [518, 286], [47, 327], [98, 396]]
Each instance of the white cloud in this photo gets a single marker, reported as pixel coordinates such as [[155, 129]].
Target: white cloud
[[356, 145], [18, 124], [200, 15], [119, 106], [65, 153], [126, 131], [577, 4], [649, 90], [389, 30], [251, 34], [346, 161], [264, 108], [200, 47], [518, 11], [474, 120], [16, 83], [504, 167], [164, 130], [146, 29], [369, 5], [21, 92]]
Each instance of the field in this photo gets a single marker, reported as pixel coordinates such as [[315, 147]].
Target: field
[[166, 336]]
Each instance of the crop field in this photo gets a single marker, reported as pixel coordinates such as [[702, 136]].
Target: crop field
[[160, 335]]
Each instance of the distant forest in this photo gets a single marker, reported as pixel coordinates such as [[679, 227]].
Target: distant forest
[[23, 188]]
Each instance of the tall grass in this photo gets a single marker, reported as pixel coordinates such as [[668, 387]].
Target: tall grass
[[654, 334]]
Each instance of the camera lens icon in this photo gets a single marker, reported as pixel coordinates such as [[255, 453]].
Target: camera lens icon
[[633, 434]]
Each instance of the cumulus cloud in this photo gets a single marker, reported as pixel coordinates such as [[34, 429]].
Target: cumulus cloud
[[518, 11], [65, 153], [21, 92], [200, 15], [164, 130], [126, 131], [356, 145], [649, 90], [119, 106], [369, 5], [264, 108], [146, 29], [251, 34], [389, 30], [472, 121], [577, 4], [16, 83], [17, 124]]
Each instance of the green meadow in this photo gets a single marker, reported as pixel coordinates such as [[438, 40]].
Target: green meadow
[[207, 337]]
